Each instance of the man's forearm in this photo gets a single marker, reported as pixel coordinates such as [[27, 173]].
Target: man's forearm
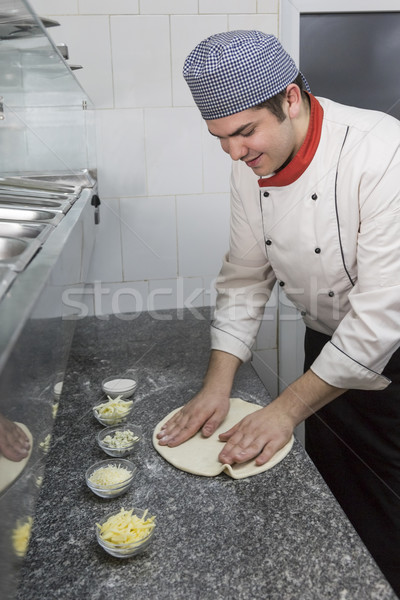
[[221, 371], [305, 396], [261, 434]]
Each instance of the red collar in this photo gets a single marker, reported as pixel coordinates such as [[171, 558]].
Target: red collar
[[304, 156]]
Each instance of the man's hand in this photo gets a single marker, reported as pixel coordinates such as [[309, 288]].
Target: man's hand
[[14, 444], [205, 411], [209, 407], [261, 434]]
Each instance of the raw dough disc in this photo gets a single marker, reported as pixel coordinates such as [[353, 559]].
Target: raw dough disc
[[199, 455], [9, 469]]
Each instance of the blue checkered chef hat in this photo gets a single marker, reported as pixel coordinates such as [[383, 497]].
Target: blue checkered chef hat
[[235, 70]]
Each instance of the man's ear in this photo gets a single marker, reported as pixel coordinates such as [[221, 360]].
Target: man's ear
[[294, 100]]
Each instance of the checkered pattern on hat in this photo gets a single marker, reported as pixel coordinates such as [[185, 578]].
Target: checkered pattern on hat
[[235, 70]]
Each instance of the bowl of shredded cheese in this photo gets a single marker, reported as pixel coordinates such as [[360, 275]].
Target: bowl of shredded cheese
[[119, 441], [113, 411], [110, 478], [126, 533]]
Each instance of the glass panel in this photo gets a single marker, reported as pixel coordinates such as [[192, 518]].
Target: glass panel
[[47, 121]]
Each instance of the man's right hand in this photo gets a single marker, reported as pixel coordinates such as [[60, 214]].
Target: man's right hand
[[209, 407], [205, 411], [14, 444]]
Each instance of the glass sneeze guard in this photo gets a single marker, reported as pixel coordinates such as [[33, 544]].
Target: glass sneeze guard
[[46, 118]]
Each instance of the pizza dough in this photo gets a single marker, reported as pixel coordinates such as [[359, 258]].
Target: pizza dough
[[9, 469], [199, 455]]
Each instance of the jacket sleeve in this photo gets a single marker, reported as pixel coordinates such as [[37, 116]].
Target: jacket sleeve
[[245, 281], [369, 334]]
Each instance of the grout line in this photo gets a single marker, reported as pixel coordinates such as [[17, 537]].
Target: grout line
[[111, 62]]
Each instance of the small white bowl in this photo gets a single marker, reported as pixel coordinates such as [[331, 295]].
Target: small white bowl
[[121, 450], [121, 386], [125, 550], [111, 491]]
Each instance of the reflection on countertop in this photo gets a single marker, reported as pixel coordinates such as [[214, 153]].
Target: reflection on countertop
[[276, 536], [35, 336]]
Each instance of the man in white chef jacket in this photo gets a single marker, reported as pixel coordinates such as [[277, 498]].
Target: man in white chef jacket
[[315, 205]]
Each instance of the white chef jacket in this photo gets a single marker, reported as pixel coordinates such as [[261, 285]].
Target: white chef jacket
[[332, 240]]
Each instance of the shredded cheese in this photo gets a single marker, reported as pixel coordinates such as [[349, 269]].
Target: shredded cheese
[[54, 409], [120, 439], [21, 535], [45, 445], [110, 475], [113, 410], [126, 528]]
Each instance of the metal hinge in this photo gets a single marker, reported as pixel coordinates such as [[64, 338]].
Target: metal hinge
[[2, 117], [84, 105]]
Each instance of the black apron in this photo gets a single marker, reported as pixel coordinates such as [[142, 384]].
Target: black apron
[[354, 442]]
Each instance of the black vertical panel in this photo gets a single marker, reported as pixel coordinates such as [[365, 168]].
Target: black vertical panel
[[353, 58]]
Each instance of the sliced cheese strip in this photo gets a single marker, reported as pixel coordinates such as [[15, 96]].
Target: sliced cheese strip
[[199, 455], [126, 528]]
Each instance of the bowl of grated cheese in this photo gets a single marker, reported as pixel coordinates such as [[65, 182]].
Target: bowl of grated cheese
[[126, 533], [110, 478], [119, 441], [114, 411]]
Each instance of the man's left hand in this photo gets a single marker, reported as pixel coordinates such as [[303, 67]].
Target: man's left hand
[[259, 435]]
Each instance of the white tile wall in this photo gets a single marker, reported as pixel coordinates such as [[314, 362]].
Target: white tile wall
[[148, 229], [266, 23], [141, 67], [203, 233], [227, 6], [121, 152], [163, 180], [50, 7], [117, 298], [165, 7], [106, 265], [210, 294], [186, 32], [267, 6], [88, 41], [176, 293], [173, 151], [265, 363], [216, 164], [108, 7]]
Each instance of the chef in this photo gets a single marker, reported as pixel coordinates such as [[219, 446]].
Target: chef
[[315, 208]]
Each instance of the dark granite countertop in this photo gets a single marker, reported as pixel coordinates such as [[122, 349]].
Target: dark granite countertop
[[277, 536]]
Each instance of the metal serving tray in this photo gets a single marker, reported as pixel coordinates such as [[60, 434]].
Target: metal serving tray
[[16, 253], [27, 202], [26, 231], [15, 213], [7, 276], [6, 190], [37, 185], [82, 178]]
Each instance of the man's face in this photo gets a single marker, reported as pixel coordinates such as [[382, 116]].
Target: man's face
[[256, 137]]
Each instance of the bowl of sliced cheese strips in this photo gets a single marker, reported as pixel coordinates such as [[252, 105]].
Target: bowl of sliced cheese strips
[[113, 411], [119, 441], [110, 478], [126, 533]]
